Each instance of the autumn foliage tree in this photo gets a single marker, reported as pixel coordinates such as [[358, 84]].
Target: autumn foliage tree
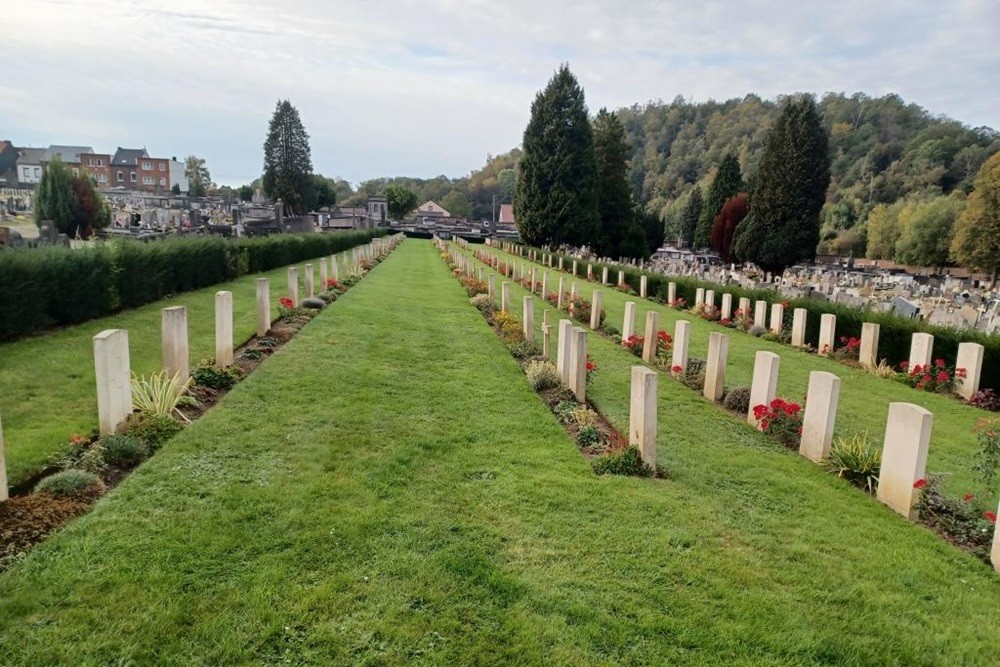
[[734, 210], [977, 233]]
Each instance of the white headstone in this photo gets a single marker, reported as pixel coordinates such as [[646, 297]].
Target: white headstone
[[559, 298], [777, 317], [642, 286], [904, 456], [799, 327], [595, 311], [715, 366], [578, 364], [827, 331], [820, 415], [4, 493], [310, 292], [563, 349], [921, 349], [112, 371], [727, 307], [649, 342], [671, 292], [760, 314], [628, 324], [528, 318], [224, 328], [293, 285], [505, 296], [174, 341], [970, 359], [868, 353], [642, 413], [263, 306], [604, 276], [764, 387], [682, 339], [745, 306]]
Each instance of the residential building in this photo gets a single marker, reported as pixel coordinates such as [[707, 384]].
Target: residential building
[[8, 163], [132, 168], [29, 165], [506, 215], [97, 165], [378, 211], [431, 209], [70, 156], [176, 175]]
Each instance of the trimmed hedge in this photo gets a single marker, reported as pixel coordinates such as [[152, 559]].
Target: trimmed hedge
[[895, 332], [50, 286]]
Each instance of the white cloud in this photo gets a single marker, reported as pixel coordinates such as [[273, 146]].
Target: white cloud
[[388, 87]]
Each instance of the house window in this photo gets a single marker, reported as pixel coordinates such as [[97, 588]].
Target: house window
[[163, 182], [90, 162], [147, 166], [27, 172], [38, 172], [100, 162], [102, 178], [147, 180], [132, 176], [121, 177], [163, 167]]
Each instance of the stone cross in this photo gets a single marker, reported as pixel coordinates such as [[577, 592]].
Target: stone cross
[[649, 342], [868, 353], [799, 327], [112, 371], [528, 320], [970, 358], [765, 382], [293, 285], [921, 349], [682, 339], [174, 341], [595, 311], [263, 306], [628, 324], [642, 413], [820, 415], [224, 328], [904, 456], [715, 366], [827, 331]]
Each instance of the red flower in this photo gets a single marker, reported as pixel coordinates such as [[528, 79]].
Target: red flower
[[77, 439], [939, 363], [990, 516], [920, 483], [960, 373], [942, 376], [903, 365], [286, 302], [967, 497], [676, 370]]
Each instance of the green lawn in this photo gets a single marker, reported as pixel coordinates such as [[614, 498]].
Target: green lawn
[[864, 398], [387, 490], [47, 386]]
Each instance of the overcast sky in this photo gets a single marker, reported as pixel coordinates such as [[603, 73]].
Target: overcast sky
[[427, 87]]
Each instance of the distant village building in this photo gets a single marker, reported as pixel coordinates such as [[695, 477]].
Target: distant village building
[[69, 155], [176, 174], [8, 163], [378, 211], [506, 215], [133, 168], [431, 209], [29, 165]]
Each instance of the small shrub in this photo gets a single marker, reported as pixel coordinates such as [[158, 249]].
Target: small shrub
[[694, 374], [92, 459], [782, 420], [634, 344], [986, 399], [988, 457], [738, 400], [627, 461], [756, 330], [611, 331], [159, 394], [251, 353], [588, 435], [542, 375], [522, 349], [207, 374], [937, 378], [70, 482], [313, 303], [482, 302], [583, 416], [564, 410], [151, 429], [857, 460], [124, 451], [268, 341], [882, 369], [962, 520]]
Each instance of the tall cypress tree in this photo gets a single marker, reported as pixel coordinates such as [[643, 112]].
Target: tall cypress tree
[[556, 197], [690, 217], [787, 192], [55, 199], [614, 203], [287, 161], [727, 183]]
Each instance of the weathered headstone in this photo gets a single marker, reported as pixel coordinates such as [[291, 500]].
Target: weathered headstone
[[715, 366], [799, 327], [868, 353], [322, 273], [528, 319], [649, 341], [559, 297], [545, 285], [904, 456], [621, 277], [699, 297], [820, 415], [492, 288], [174, 339], [764, 387], [309, 274], [574, 268], [727, 307], [682, 339], [263, 306], [642, 413], [578, 364], [777, 317], [293, 285], [224, 328], [921, 349], [505, 296], [595, 311], [827, 331], [563, 349], [628, 323], [970, 359], [112, 371]]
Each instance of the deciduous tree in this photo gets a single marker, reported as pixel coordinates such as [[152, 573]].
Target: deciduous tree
[[400, 201], [725, 223], [198, 177], [927, 230], [727, 183], [977, 232]]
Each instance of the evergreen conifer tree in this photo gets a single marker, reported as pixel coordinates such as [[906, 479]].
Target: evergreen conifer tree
[[557, 193], [727, 183], [55, 200], [287, 161], [787, 191], [690, 217], [614, 203]]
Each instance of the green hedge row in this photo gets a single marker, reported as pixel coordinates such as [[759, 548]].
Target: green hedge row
[[895, 332], [50, 286]]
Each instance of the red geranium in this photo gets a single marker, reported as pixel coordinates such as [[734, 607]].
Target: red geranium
[[991, 516], [920, 483], [286, 302]]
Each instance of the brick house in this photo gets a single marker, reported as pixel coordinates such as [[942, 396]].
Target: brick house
[[132, 168], [97, 165]]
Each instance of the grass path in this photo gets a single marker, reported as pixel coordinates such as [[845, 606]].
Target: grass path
[[387, 490], [864, 398], [47, 389]]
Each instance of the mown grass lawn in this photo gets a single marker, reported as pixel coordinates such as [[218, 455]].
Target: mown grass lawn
[[864, 398], [387, 490], [47, 386]]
